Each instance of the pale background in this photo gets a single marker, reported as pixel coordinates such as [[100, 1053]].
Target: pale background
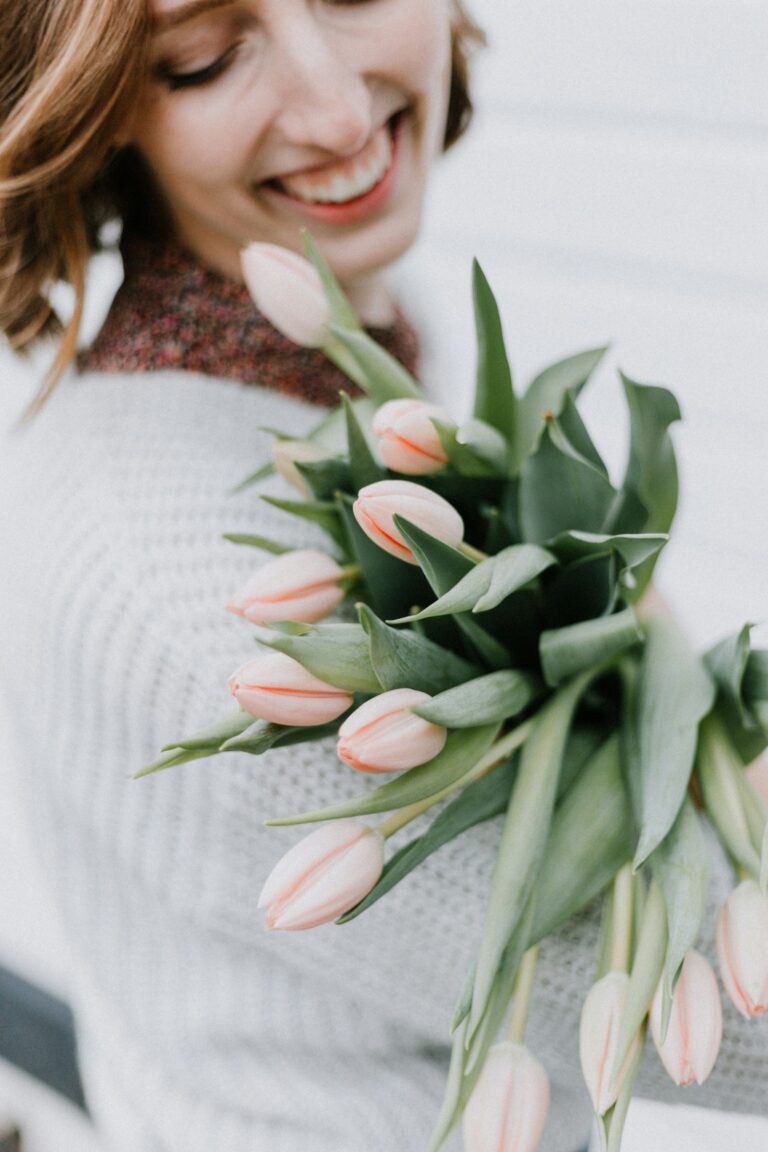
[[615, 187]]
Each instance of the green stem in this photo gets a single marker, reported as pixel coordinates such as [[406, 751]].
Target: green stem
[[351, 573], [522, 996], [623, 896], [496, 753], [472, 553]]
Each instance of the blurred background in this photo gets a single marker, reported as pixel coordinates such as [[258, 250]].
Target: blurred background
[[614, 187]]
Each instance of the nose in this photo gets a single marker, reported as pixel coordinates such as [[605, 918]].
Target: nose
[[324, 100]]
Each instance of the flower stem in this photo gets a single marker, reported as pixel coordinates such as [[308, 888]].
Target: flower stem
[[497, 752], [521, 1002], [472, 553], [623, 897]]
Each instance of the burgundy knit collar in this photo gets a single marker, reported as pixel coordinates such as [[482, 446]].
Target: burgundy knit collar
[[173, 313]]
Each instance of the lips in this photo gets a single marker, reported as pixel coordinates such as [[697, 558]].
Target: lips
[[343, 182]]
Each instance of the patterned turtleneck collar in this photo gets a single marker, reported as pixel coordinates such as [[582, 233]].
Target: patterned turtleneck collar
[[172, 312]]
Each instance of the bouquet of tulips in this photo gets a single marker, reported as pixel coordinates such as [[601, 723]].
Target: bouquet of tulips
[[499, 666]]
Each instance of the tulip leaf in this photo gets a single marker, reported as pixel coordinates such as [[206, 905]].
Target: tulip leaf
[[736, 671], [647, 967], [479, 802], [680, 866], [475, 449], [339, 654], [171, 759], [674, 694], [377, 372], [225, 728], [524, 836], [611, 1126], [443, 567], [325, 478], [632, 550], [490, 582], [461, 752], [756, 686], [362, 463], [724, 789], [575, 430], [341, 309], [567, 651], [256, 477], [319, 512], [261, 542], [547, 394], [391, 585], [263, 735], [404, 659], [561, 490], [588, 842], [495, 400], [485, 700]]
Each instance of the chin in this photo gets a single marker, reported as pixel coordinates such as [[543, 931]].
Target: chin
[[373, 250]]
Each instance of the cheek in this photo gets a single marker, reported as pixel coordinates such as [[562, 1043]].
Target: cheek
[[189, 137]]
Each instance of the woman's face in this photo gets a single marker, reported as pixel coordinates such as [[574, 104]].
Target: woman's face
[[261, 117]]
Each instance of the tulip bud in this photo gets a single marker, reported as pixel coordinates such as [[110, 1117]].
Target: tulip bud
[[508, 1108], [287, 289], [286, 454], [377, 505], [323, 876], [408, 440], [383, 735], [301, 585], [695, 1027], [742, 948], [277, 688], [598, 1040]]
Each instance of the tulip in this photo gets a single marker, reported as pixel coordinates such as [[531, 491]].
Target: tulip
[[277, 688], [508, 1108], [695, 1027], [323, 876], [383, 735], [287, 289], [377, 505], [742, 948], [301, 585], [408, 440], [598, 1040], [286, 454]]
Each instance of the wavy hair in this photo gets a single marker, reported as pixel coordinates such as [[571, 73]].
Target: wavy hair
[[70, 72]]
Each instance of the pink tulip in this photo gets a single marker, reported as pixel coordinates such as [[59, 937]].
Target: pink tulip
[[277, 688], [288, 291], [300, 585], [742, 948], [408, 440], [323, 876], [383, 735], [695, 1023], [508, 1108], [286, 454], [598, 1040], [378, 503]]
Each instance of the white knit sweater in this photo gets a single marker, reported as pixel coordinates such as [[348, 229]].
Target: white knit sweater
[[198, 1030]]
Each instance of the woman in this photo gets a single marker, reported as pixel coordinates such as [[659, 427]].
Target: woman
[[205, 125]]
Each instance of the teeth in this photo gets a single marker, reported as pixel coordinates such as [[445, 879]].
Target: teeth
[[346, 181]]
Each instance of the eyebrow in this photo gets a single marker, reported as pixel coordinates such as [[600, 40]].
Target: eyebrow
[[184, 12]]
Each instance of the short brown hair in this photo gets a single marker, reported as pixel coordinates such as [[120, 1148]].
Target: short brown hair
[[70, 72]]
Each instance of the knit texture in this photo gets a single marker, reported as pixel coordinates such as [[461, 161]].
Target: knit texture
[[198, 1030]]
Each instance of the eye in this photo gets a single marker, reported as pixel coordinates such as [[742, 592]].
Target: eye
[[201, 76]]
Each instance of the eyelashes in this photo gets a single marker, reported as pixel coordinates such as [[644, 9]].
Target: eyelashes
[[176, 81]]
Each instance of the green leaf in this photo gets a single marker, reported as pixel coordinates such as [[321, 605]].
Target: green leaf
[[318, 512], [588, 842], [743, 689], [490, 582], [632, 550], [547, 393], [325, 478], [485, 700], [647, 966], [462, 750], [474, 449], [216, 734], [404, 659], [262, 735], [680, 866], [392, 585], [720, 773], [336, 653], [495, 400], [262, 542], [568, 651], [575, 431], [674, 694], [171, 759], [254, 478], [363, 466], [342, 310], [443, 567], [561, 490], [756, 686], [524, 837], [479, 802], [376, 371]]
